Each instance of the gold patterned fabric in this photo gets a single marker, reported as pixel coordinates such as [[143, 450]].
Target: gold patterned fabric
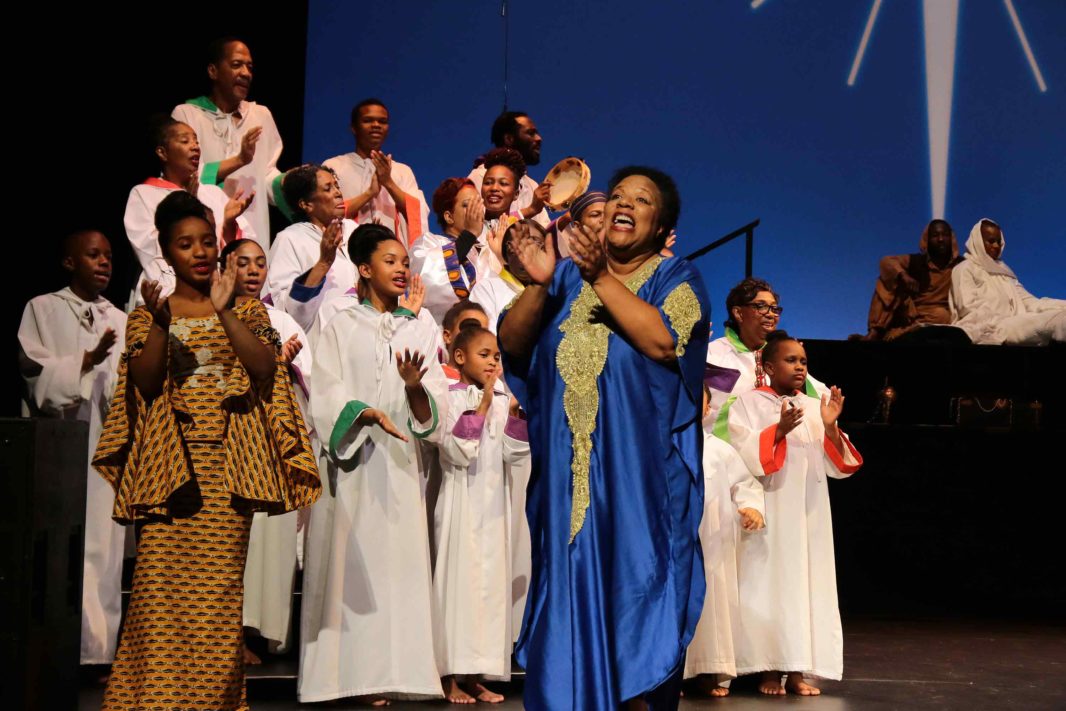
[[190, 467], [581, 356], [683, 309]]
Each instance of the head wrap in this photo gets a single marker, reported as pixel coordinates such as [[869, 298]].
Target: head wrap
[[976, 254], [923, 243], [579, 205]]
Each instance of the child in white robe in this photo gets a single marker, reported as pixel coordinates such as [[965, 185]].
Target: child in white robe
[[377, 390], [732, 503], [273, 542], [789, 619], [472, 578], [70, 343]]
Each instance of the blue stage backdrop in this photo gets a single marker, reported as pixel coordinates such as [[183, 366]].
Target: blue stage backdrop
[[749, 106]]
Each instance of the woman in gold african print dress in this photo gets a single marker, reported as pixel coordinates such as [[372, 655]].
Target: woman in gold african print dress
[[204, 430]]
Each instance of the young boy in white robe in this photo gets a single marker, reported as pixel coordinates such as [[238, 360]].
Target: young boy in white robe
[[376, 391], [789, 619], [70, 343], [178, 151], [472, 577], [732, 507], [273, 542]]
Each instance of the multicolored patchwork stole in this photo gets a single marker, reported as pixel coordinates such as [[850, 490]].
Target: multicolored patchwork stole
[[451, 263]]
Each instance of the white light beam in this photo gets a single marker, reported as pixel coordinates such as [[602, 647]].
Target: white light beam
[[941, 30], [756, 3], [863, 42], [1025, 46]]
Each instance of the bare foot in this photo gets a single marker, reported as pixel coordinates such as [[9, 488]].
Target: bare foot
[[708, 686], [250, 657], [796, 685], [371, 700], [770, 684], [454, 694], [484, 694]]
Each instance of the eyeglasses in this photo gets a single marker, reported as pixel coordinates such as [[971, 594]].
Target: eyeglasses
[[763, 309]]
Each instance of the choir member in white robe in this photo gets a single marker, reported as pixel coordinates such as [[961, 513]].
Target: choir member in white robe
[[70, 343], [734, 361], [732, 506], [991, 305], [240, 142], [377, 188], [309, 260], [377, 390], [789, 619], [472, 576], [179, 153], [516, 130], [270, 569]]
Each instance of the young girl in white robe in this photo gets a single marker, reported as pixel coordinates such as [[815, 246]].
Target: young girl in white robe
[[273, 542], [472, 578], [732, 507], [70, 343], [376, 390], [789, 619]]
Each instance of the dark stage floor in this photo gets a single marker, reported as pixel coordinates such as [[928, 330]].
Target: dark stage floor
[[887, 665]]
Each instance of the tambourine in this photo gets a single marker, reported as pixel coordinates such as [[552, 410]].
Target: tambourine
[[569, 180]]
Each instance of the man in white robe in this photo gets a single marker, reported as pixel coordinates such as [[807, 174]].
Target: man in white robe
[[515, 129], [70, 343], [376, 187], [991, 305], [240, 142]]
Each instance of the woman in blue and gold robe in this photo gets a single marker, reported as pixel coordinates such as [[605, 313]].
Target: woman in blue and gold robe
[[605, 351]]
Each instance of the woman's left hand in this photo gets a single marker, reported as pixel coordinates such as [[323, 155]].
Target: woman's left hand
[[223, 284], [236, 205], [588, 253], [832, 404], [291, 348]]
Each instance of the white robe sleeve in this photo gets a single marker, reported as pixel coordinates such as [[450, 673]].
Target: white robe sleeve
[[139, 222], [285, 267], [336, 388], [753, 442], [59, 383], [744, 489], [435, 383], [271, 172], [968, 307], [515, 439], [841, 465], [1033, 304]]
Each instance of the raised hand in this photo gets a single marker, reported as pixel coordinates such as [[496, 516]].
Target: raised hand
[[237, 205], [248, 142], [156, 303], [373, 417], [487, 393], [382, 167], [791, 417], [192, 185], [751, 520], [410, 367], [495, 236], [224, 284], [668, 246], [331, 241], [291, 348], [588, 253], [415, 296], [99, 353], [541, 195], [832, 404], [537, 259], [473, 216]]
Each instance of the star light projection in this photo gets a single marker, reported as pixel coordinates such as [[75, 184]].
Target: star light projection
[[940, 28]]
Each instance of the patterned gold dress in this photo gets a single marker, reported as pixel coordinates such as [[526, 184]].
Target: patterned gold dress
[[190, 468]]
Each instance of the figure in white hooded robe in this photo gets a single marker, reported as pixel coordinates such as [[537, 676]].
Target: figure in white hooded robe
[[991, 305], [70, 343], [789, 619], [377, 389]]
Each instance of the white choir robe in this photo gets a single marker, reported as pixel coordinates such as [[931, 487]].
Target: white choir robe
[[472, 578], [789, 619], [220, 137], [354, 174], [522, 200], [995, 308], [366, 625], [728, 488], [494, 293], [731, 372], [55, 332], [427, 260], [272, 542], [139, 221], [295, 250]]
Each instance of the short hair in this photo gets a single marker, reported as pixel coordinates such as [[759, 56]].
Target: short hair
[[670, 209], [369, 101], [159, 127], [508, 157], [773, 344], [452, 314], [742, 294], [232, 247], [216, 48], [467, 334], [175, 207], [506, 124], [365, 239], [300, 183], [444, 197], [69, 242]]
